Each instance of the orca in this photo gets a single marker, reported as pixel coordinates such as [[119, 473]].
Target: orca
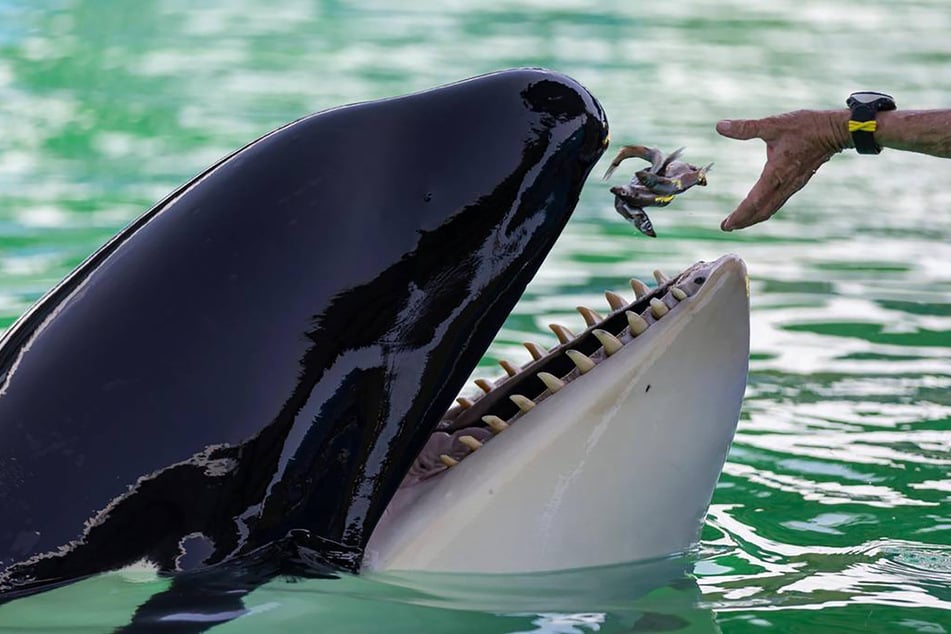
[[254, 379]]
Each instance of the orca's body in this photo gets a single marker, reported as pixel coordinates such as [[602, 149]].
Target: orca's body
[[249, 369], [254, 379]]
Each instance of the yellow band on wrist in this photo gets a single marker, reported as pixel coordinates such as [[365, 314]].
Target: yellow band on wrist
[[862, 126]]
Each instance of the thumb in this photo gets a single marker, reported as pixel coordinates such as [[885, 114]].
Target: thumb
[[741, 129]]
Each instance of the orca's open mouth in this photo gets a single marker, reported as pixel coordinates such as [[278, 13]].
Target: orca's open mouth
[[605, 448], [481, 416]]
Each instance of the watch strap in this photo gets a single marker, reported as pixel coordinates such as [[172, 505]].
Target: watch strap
[[862, 127], [862, 123]]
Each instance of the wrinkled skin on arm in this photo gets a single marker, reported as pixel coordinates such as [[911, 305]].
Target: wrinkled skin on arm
[[798, 143]]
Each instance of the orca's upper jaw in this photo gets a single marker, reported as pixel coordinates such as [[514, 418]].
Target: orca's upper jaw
[[516, 155], [268, 349]]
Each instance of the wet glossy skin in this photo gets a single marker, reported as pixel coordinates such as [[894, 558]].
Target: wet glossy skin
[[268, 349]]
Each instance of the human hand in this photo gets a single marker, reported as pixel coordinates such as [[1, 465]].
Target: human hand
[[797, 144]]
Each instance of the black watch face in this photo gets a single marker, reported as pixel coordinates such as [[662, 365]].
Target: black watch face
[[877, 99]]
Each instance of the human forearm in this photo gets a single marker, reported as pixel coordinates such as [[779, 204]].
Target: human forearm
[[923, 131], [798, 143]]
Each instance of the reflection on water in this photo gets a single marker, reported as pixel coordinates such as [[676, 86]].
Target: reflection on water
[[836, 493], [645, 597]]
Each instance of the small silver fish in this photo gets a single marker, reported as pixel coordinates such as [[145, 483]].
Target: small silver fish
[[655, 186], [676, 179], [637, 217]]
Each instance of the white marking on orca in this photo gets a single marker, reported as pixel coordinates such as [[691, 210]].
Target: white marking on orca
[[142, 571]]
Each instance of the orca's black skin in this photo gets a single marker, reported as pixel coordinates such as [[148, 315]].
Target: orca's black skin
[[265, 352]]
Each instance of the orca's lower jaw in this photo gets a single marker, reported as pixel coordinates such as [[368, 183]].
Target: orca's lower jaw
[[604, 449]]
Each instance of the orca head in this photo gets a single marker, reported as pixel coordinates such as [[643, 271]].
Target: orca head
[[266, 351]]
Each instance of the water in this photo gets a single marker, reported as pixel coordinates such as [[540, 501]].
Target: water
[[832, 514]]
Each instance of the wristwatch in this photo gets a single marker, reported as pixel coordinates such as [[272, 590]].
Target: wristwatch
[[864, 105]]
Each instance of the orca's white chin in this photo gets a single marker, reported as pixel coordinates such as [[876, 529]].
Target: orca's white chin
[[618, 464]]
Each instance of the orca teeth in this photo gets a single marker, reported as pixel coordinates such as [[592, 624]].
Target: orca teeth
[[510, 368], [564, 335], [552, 382], [610, 343], [640, 288], [473, 427], [581, 361], [615, 301], [495, 423], [470, 441], [636, 324], [590, 316], [524, 403], [535, 350]]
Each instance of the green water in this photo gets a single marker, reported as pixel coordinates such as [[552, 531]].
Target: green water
[[832, 514]]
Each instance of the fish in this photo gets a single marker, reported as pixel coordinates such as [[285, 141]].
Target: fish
[[655, 186]]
